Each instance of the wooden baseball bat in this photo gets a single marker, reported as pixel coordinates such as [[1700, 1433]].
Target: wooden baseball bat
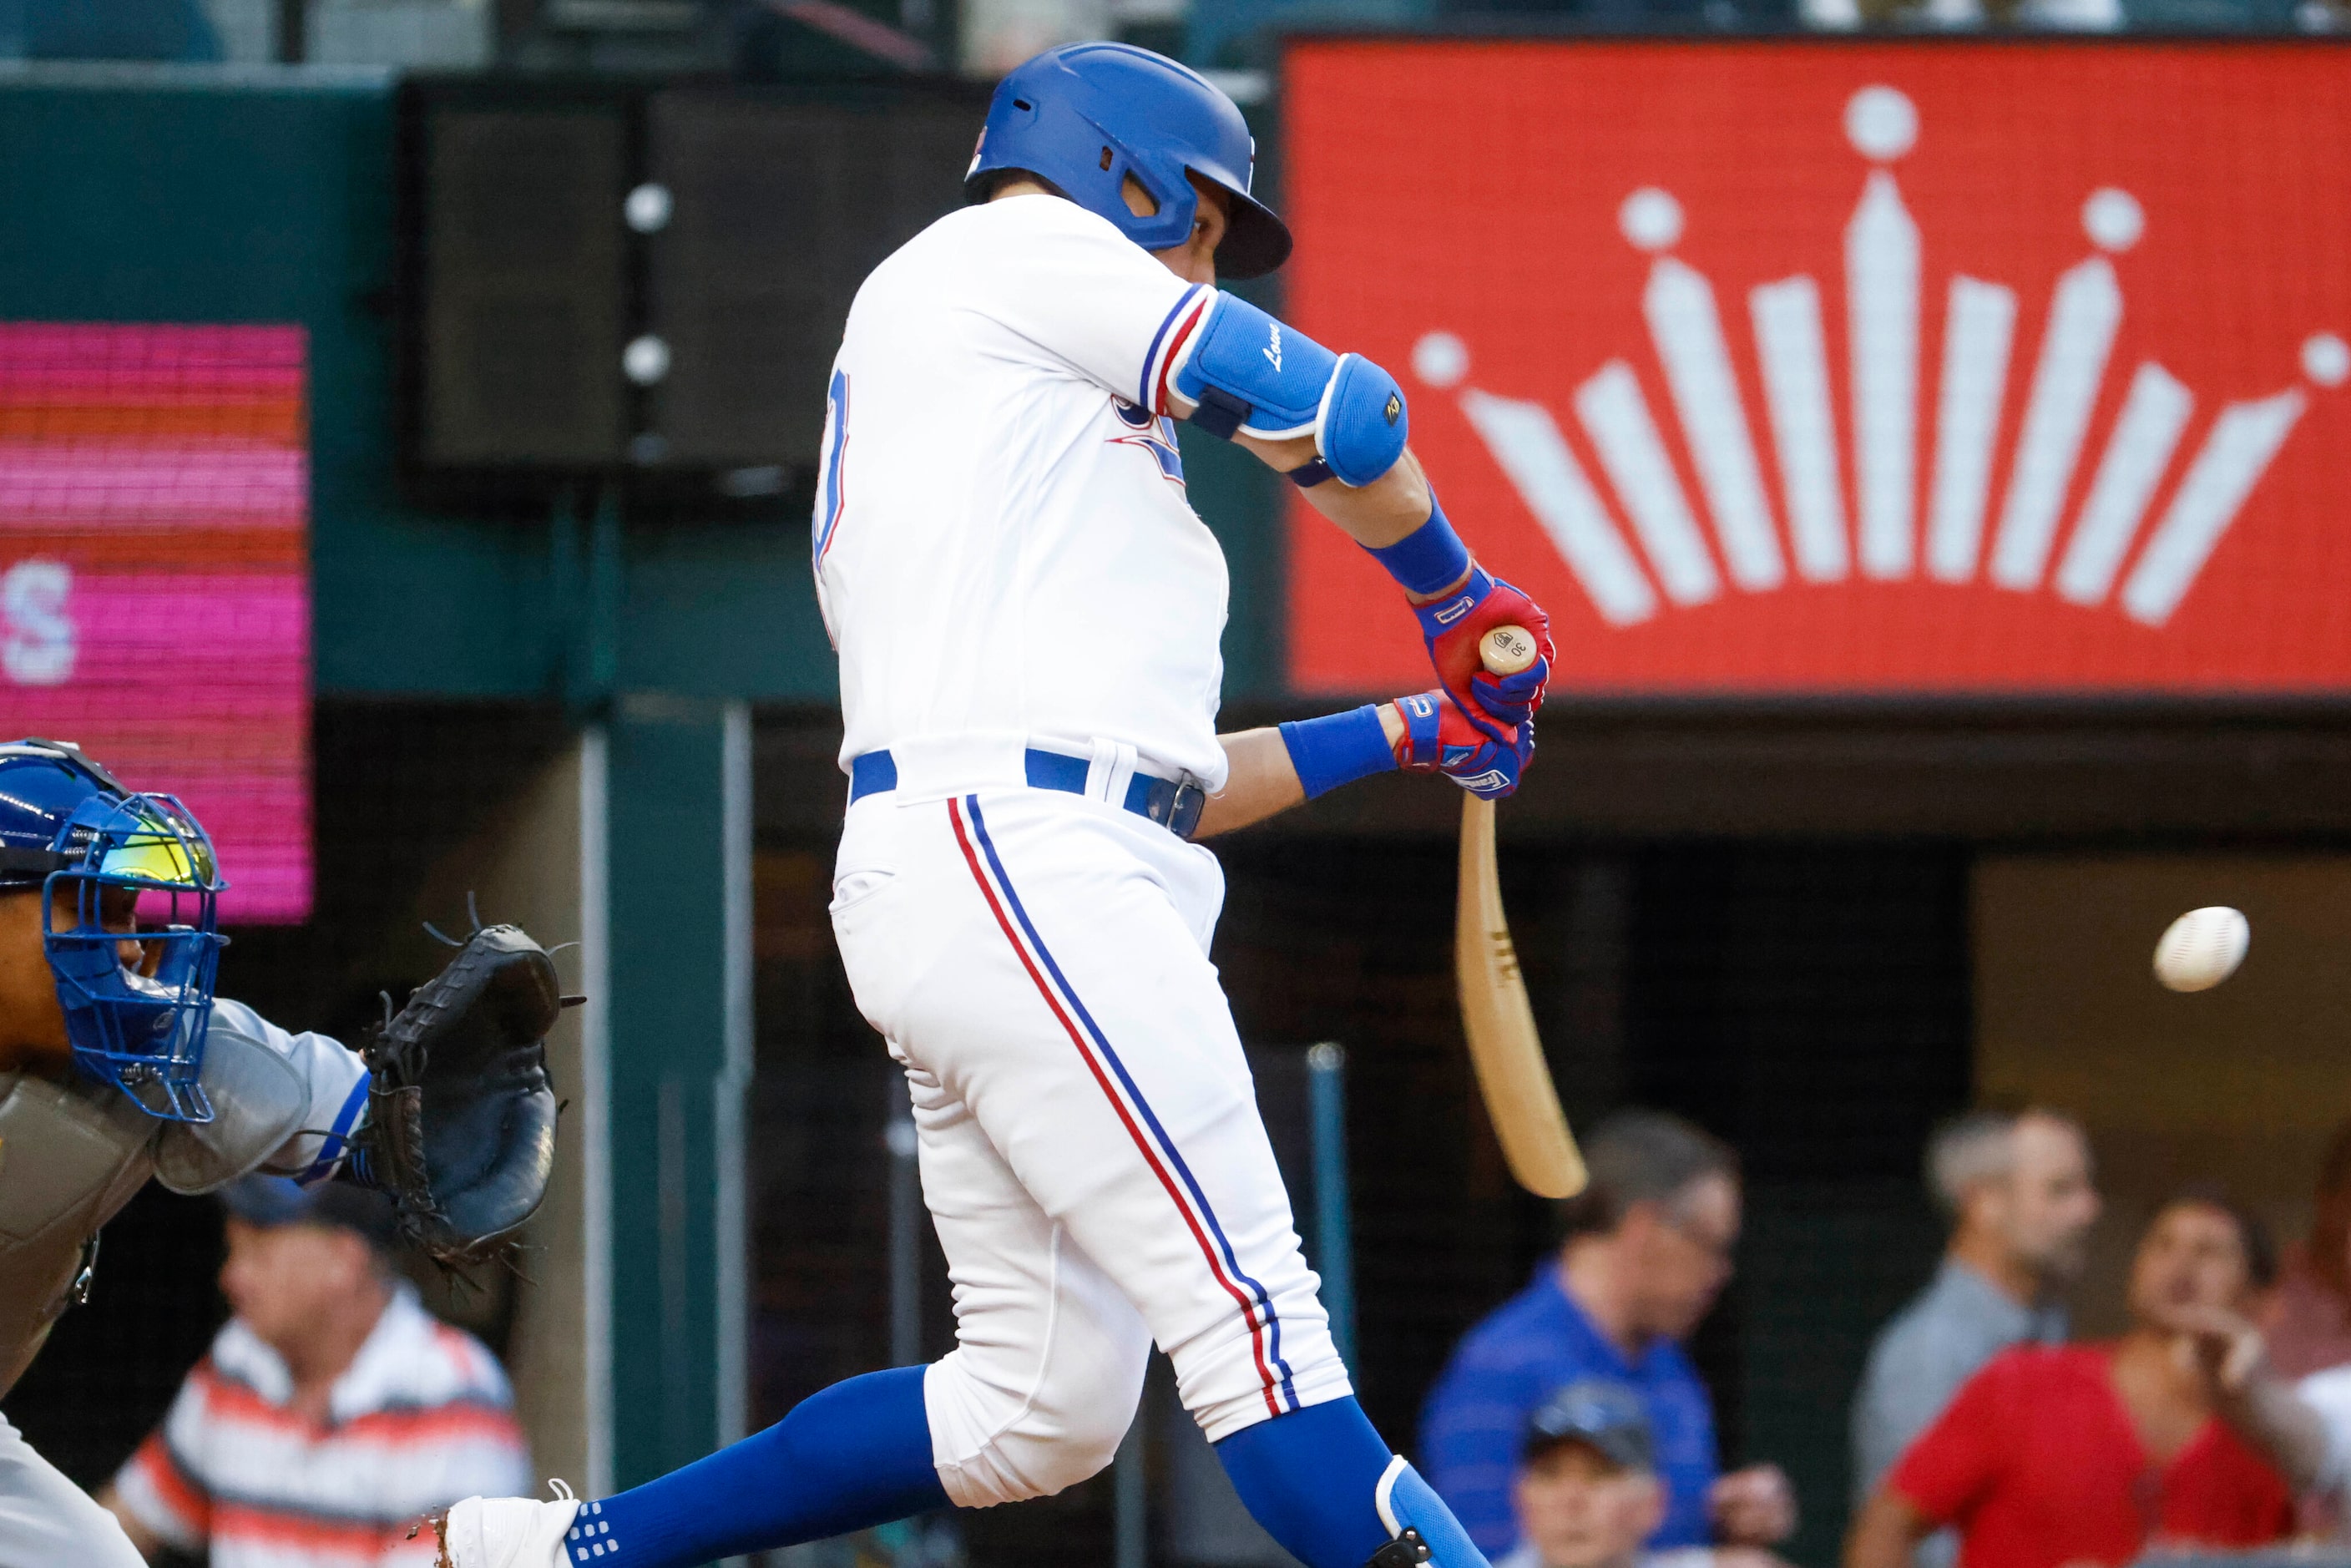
[[1499, 1022]]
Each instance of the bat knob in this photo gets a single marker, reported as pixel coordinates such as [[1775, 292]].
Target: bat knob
[[1506, 650]]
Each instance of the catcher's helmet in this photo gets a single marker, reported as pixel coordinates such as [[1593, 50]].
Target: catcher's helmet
[[1085, 116], [69, 828]]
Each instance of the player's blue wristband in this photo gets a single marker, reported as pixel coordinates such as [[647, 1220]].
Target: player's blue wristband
[[1438, 616], [1429, 559], [1338, 748]]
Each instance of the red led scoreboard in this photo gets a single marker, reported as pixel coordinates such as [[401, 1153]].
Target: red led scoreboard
[[154, 576], [1793, 368]]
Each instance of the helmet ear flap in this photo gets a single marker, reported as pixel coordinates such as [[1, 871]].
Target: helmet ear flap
[[1173, 203]]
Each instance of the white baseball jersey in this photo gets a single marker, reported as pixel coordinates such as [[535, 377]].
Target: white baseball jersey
[[1007, 559], [1002, 544]]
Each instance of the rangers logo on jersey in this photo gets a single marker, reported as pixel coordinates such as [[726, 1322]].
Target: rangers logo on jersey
[[1155, 434]]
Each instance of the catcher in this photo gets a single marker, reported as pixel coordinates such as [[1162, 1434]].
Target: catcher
[[117, 1063]]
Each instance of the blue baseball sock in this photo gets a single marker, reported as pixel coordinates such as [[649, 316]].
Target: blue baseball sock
[[1309, 1476], [855, 1455], [1313, 1478]]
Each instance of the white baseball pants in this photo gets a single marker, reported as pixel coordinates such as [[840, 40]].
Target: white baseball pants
[[1090, 1149]]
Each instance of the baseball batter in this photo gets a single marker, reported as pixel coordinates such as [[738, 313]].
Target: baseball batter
[[1027, 612], [117, 1062]]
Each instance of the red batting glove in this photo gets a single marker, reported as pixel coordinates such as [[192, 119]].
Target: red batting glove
[[1439, 738], [1452, 626]]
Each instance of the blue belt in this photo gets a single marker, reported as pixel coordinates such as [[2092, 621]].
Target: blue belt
[[1174, 806]]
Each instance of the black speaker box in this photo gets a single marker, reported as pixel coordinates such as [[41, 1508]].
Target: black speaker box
[[642, 284]]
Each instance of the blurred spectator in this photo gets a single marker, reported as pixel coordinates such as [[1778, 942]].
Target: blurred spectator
[[2172, 1436], [1648, 1248], [1587, 1493], [2310, 1320], [2326, 1509], [333, 1410], [2309, 1330], [2018, 1191]]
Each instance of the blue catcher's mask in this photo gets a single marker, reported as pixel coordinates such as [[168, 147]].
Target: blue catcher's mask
[[128, 922]]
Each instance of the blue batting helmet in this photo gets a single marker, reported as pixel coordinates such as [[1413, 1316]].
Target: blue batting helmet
[[98, 853], [1086, 116]]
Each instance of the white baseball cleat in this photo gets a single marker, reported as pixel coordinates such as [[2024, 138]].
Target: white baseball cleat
[[507, 1532]]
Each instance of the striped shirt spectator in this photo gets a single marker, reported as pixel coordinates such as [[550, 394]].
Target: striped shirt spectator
[[262, 1471]]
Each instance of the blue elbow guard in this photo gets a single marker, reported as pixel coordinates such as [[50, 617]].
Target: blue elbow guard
[[1363, 422], [1245, 370], [1248, 372]]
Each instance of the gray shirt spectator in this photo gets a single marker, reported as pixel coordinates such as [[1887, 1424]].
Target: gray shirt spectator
[[1932, 1346], [2019, 1192]]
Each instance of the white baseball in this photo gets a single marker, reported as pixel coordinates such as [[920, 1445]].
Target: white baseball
[[2201, 949]]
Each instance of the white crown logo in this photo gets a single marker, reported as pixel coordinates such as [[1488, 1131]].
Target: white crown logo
[[1883, 270]]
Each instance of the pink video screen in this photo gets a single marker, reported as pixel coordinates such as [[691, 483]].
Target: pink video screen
[[154, 576]]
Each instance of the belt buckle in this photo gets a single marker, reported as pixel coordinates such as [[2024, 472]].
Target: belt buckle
[[1184, 803]]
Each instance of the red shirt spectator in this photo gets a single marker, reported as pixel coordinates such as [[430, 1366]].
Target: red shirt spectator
[[2053, 1456], [2038, 1464]]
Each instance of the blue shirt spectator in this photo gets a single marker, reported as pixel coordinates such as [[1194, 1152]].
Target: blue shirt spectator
[[1648, 1248], [1535, 1343]]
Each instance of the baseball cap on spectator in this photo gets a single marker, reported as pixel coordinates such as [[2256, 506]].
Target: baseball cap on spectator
[[269, 1201], [1606, 1416]]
